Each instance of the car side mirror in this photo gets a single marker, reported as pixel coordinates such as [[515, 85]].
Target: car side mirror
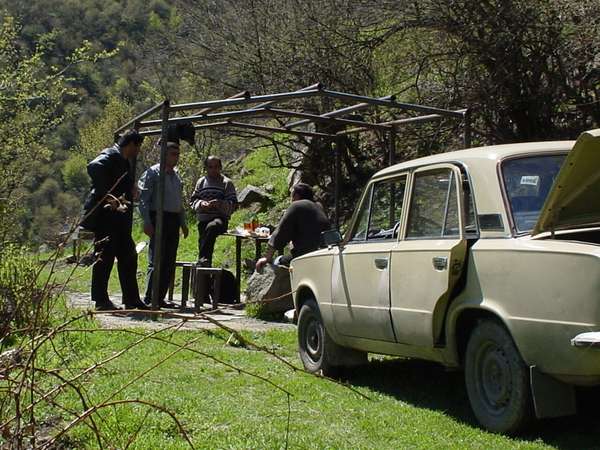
[[331, 237]]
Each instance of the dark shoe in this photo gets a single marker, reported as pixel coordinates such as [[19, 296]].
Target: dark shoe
[[168, 305], [109, 306], [203, 262], [138, 305]]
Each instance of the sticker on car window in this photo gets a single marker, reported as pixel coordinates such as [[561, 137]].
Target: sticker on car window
[[530, 180]]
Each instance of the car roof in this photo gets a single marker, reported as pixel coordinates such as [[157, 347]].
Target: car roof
[[478, 155]]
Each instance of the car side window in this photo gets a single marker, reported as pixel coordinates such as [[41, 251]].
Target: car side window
[[362, 220], [434, 206], [386, 209]]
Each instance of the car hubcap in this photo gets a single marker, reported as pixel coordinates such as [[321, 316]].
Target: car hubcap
[[495, 378], [314, 337]]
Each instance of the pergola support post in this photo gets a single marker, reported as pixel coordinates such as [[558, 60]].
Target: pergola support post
[[467, 128], [158, 229], [336, 181]]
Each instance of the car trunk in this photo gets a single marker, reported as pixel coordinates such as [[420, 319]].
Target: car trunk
[[584, 236], [572, 208]]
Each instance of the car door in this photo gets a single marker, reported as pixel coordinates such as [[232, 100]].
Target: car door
[[427, 261], [360, 277]]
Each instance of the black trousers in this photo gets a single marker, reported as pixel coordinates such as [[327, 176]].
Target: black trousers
[[170, 239], [112, 242], [207, 235]]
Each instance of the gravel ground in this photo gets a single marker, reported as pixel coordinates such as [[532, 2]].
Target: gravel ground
[[232, 318]]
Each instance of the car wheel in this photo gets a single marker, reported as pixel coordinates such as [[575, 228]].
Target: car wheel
[[497, 379], [318, 352]]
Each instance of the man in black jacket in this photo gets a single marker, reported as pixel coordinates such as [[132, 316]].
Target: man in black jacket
[[302, 225], [112, 194]]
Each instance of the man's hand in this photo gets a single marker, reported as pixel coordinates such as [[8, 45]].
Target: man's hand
[[185, 231], [260, 264], [149, 230]]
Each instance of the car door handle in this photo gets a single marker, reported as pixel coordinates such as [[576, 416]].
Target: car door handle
[[381, 263], [440, 262]]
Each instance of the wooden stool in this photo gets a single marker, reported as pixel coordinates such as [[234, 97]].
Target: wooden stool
[[201, 278], [197, 279], [187, 268]]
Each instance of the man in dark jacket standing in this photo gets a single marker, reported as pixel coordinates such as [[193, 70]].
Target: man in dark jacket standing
[[302, 225], [113, 191]]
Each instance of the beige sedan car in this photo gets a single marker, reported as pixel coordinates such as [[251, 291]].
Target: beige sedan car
[[485, 259]]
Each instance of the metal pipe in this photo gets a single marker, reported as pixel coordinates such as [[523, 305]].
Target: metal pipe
[[336, 181], [158, 131], [317, 118], [391, 103], [467, 128], [392, 148], [158, 229], [317, 86], [201, 115], [338, 112], [242, 94], [246, 101], [280, 130], [139, 117], [393, 123]]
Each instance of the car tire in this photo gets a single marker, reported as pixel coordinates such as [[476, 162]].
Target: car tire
[[318, 352], [497, 379]]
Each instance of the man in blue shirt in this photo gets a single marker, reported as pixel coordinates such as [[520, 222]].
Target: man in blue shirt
[[173, 220]]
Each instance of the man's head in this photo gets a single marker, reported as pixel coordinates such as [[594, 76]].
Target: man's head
[[302, 191], [130, 143], [172, 155], [213, 166]]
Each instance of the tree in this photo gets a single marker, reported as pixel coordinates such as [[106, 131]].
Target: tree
[[33, 95]]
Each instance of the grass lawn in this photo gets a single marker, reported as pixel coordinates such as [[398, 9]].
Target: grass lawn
[[411, 404]]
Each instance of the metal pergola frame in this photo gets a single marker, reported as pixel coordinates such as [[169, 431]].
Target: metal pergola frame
[[218, 114]]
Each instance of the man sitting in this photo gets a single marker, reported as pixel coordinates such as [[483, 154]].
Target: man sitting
[[302, 224], [213, 199]]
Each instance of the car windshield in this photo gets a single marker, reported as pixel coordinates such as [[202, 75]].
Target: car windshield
[[527, 182]]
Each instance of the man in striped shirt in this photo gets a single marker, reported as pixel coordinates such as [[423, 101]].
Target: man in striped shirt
[[214, 199]]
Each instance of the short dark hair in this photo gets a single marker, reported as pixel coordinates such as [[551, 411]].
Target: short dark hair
[[213, 158], [304, 191], [130, 136]]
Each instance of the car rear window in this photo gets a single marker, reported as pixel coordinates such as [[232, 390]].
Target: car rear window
[[527, 182]]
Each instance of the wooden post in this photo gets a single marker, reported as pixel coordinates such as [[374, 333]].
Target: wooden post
[[158, 229]]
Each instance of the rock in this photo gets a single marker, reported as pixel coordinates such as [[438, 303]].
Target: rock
[[272, 283], [269, 188], [252, 194], [294, 177], [290, 315]]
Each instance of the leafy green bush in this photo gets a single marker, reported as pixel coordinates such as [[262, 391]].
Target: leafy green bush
[[20, 296]]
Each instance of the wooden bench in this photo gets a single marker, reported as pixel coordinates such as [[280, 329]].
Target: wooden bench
[[196, 280]]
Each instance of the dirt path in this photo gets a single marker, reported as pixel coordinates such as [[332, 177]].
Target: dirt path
[[233, 318]]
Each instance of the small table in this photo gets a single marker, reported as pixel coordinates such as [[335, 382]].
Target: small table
[[258, 240]]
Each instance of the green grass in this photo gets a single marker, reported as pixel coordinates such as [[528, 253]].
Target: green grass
[[411, 404]]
